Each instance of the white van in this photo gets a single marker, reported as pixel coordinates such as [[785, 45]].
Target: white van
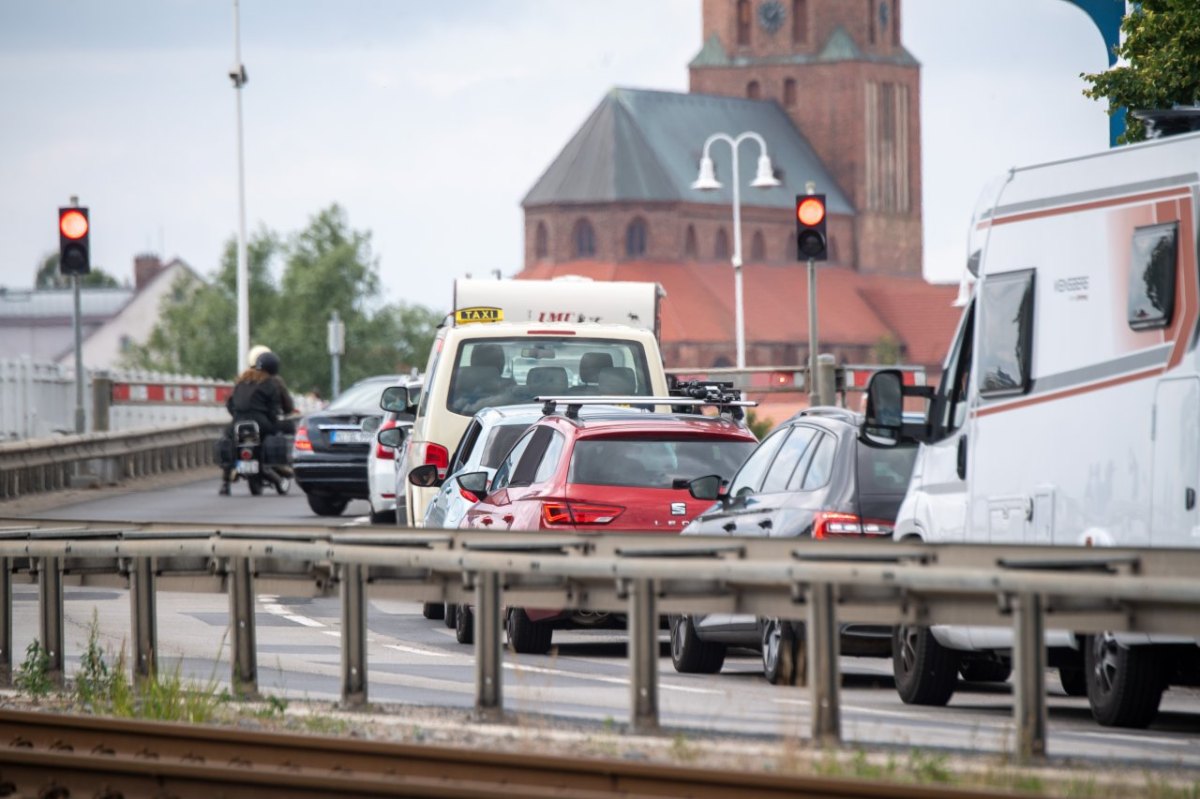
[[1069, 411], [480, 365]]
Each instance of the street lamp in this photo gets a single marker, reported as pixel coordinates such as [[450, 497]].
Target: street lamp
[[238, 75], [707, 181]]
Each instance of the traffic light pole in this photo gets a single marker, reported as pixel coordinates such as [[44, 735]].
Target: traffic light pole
[[811, 380], [80, 375]]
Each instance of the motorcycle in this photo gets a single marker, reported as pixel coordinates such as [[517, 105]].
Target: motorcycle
[[255, 459]]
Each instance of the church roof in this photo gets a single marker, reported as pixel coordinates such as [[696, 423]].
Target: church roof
[[839, 47], [645, 146]]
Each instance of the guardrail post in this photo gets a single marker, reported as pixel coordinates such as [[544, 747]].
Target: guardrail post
[[101, 401], [244, 656], [6, 617], [643, 655], [50, 623], [354, 635], [1029, 662], [145, 622], [823, 672], [489, 699]]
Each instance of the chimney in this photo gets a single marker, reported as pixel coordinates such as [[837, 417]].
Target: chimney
[[145, 267]]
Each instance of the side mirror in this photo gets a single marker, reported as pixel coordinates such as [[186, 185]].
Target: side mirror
[[474, 483], [371, 424], [394, 399], [425, 476], [884, 417], [390, 438], [412, 397], [707, 488]]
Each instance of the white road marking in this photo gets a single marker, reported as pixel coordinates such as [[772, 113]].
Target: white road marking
[[1141, 739], [357, 521], [269, 605], [412, 650], [519, 667]]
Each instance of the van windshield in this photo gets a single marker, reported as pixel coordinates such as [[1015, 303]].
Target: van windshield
[[489, 372]]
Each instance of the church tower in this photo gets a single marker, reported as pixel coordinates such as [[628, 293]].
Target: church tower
[[841, 72]]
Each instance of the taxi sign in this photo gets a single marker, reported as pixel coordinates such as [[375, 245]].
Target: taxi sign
[[467, 316]]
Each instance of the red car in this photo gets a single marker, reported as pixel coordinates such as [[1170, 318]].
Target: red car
[[611, 470]]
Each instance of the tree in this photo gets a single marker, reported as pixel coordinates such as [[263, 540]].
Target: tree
[[1162, 48], [48, 276]]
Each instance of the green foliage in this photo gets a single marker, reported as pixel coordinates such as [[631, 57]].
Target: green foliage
[[327, 267], [94, 681], [48, 277], [33, 675], [1162, 48], [887, 349], [759, 427]]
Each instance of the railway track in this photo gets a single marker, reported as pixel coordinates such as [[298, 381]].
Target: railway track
[[64, 757]]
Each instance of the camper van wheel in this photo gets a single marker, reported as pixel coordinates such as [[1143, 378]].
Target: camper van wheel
[[926, 672], [450, 617], [1124, 683], [1073, 680], [464, 624]]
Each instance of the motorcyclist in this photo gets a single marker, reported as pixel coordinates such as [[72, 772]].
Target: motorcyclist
[[261, 396]]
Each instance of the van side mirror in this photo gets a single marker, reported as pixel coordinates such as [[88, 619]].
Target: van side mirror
[[391, 438], [425, 476], [413, 392], [884, 417], [394, 399], [707, 488], [474, 482]]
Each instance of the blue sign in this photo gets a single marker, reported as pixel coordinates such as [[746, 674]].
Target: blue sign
[[1107, 16]]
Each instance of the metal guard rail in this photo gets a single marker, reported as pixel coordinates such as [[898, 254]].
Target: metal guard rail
[[52, 464], [822, 583]]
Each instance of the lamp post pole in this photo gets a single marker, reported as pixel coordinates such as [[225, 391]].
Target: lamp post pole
[[813, 395], [238, 76], [707, 181]]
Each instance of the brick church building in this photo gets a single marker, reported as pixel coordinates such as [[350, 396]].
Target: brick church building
[[835, 95]]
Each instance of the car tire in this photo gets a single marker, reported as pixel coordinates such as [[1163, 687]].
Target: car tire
[[1073, 681], [256, 486], [926, 672], [1124, 683], [782, 653], [526, 636], [450, 615], [324, 505], [433, 610], [464, 625], [383, 517], [985, 670], [689, 653]]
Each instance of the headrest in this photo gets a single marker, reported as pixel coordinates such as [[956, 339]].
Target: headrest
[[546, 380], [616, 381], [488, 355], [472, 379], [591, 363]]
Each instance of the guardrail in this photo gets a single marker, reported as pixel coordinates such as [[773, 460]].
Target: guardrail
[[51, 464], [822, 583]]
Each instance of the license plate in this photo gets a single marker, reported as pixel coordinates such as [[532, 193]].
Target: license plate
[[247, 467], [348, 437]]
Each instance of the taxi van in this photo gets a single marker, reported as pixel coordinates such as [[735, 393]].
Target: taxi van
[[478, 360]]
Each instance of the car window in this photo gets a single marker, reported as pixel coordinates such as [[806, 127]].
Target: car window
[[499, 440], [790, 454], [821, 465], [522, 473], [504, 472], [653, 462], [465, 445], [750, 476], [360, 398], [550, 458], [885, 470]]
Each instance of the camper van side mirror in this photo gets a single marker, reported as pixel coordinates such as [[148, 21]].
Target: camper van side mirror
[[885, 408]]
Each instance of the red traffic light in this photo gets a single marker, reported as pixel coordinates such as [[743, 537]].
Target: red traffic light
[[73, 224], [810, 211]]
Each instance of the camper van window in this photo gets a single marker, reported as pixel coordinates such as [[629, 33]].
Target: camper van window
[[1152, 276], [951, 409], [1005, 346]]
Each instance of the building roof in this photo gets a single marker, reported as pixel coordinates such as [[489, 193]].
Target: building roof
[[95, 303], [645, 146], [838, 47], [854, 309]]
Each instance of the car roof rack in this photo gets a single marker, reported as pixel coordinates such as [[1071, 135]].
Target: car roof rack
[[730, 402]]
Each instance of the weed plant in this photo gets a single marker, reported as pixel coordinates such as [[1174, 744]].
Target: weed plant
[[33, 675]]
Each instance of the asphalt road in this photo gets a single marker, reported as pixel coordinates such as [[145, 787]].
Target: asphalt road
[[585, 677]]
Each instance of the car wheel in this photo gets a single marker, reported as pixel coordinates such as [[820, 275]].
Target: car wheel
[[984, 670], [527, 636], [323, 505], [383, 517], [256, 486], [433, 610], [450, 615], [1124, 683], [690, 654], [464, 625], [782, 653], [1073, 681], [926, 672]]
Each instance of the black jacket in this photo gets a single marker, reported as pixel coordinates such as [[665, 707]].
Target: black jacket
[[261, 398]]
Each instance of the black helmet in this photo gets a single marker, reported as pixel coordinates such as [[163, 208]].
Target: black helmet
[[268, 362]]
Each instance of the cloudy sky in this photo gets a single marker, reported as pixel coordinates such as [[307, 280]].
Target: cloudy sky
[[428, 121]]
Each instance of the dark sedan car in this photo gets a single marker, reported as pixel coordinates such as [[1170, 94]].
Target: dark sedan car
[[812, 477], [331, 447]]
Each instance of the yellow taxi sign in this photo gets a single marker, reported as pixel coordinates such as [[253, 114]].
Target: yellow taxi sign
[[467, 316]]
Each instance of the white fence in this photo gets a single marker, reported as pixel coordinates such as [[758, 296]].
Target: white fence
[[37, 399]]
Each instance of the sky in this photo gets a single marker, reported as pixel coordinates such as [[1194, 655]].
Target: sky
[[428, 121]]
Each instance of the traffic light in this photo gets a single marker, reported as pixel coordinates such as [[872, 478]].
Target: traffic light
[[73, 229], [811, 242]]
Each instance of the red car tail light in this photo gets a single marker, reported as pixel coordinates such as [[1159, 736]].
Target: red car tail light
[[556, 513], [302, 444], [830, 524], [429, 453], [381, 452]]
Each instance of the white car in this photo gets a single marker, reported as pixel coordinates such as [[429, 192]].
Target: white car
[[382, 466]]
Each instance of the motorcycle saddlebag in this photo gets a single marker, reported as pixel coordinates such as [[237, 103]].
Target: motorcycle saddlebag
[[223, 451], [277, 450]]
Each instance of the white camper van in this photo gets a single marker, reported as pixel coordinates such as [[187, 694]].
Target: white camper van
[[1069, 411]]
